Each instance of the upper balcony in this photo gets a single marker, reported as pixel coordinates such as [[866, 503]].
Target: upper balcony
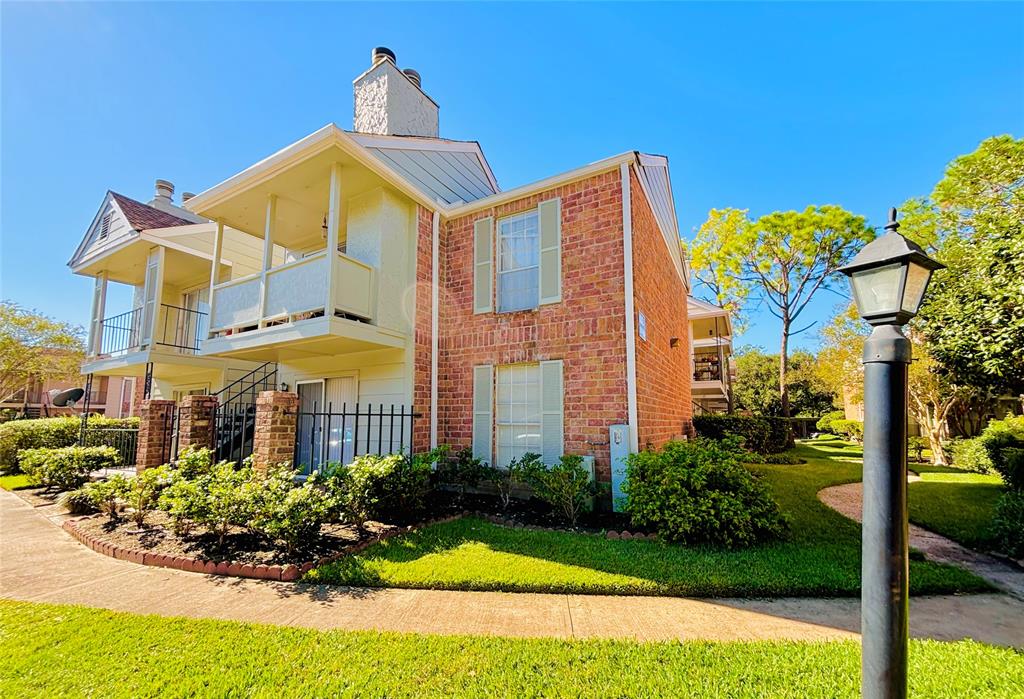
[[349, 240]]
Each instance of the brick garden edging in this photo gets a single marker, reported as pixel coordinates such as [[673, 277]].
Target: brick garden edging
[[285, 573]]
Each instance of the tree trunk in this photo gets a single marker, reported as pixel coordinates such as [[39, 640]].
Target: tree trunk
[[784, 366]]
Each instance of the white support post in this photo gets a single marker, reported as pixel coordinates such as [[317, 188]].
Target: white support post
[[99, 305], [333, 235], [268, 252], [218, 246]]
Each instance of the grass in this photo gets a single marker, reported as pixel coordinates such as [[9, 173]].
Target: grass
[[14, 482], [51, 651], [956, 504], [820, 558]]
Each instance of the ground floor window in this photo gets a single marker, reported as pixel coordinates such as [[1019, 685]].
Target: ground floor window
[[518, 409], [517, 414]]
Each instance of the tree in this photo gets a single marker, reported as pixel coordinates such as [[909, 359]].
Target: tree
[[932, 397], [720, 274], [782, 259], [973, 316], [841, 352], [34, 348], [756, 390]]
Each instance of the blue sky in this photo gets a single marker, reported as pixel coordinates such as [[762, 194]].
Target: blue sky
[[764, 106]]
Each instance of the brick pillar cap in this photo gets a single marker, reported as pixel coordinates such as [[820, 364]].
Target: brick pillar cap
[[277, 398]]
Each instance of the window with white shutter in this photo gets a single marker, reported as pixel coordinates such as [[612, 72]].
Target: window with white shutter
[[528, 413], [518, 262]]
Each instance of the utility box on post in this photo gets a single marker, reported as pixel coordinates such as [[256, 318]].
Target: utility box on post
[[618, 441]]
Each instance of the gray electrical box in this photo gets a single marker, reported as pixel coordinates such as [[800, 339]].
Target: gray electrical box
[[618, 440]]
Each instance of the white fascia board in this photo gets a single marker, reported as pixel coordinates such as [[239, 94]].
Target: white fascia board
[[163, 242], [675, 254], [108, 197], [174, 231], [305, 148], [525, 190], [77, 265]]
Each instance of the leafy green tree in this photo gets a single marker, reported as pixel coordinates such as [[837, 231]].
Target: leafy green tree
[[34, 348], [782, 259], [973, 316], [719, 275], [756, 388]]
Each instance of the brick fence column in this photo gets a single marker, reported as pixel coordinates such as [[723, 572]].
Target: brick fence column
[[195, 421], [155, 426], [276, 418]]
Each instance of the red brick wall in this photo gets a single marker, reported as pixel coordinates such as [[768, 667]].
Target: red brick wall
[[663, 377], [586, 330], [422, 329]]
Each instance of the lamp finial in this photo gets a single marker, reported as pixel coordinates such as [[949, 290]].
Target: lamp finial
[[893, 225]]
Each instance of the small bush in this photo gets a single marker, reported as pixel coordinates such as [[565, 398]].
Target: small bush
[[824, 423], [566, 486], [916, 447], [142, 492], [698, 493], [851, 430], [375, 487], [506, 479], [78, 501], [463, 470], [194, 462], [65, 468], [764, 435], [184, 502], [106, 495], [1008, 523], [971, 455], [282, 511], [1003, 440], [51, 433]]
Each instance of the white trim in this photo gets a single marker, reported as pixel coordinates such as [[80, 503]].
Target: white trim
[[675, 254], [218, 249], [540, 185], [435, 251], [627, 264]]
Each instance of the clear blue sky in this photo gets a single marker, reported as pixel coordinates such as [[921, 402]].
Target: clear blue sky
[[768, 106]]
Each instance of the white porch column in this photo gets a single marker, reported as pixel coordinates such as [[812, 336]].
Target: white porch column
[[333, 234], [218, 246], [99, 307], [152, 296], [270, 225]]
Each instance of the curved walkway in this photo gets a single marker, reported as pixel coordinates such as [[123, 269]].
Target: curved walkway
[[40, 563], [847, 500]]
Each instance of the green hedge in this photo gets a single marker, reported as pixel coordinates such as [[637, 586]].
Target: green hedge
[[764, 435], [65, 468], [853, 430], [49, 433], [826, 422], [1003, 440]]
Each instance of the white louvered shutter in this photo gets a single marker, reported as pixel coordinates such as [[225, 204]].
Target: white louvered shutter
[[552, 399], [483, 419], [483, 265], [550, 216]]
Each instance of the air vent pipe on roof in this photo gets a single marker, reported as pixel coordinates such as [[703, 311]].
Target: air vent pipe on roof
[[164, 191], [382, 53], [414, 76]]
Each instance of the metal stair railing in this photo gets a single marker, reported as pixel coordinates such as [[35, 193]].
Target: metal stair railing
[[262, 378]]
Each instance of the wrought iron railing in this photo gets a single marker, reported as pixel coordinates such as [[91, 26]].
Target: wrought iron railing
[[180, 328], [125, 439], [234, 431], [245, 389], [333, 436], [120, 333]]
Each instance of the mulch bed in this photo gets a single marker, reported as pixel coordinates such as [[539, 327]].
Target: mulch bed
[[38, 497], [240, 545]]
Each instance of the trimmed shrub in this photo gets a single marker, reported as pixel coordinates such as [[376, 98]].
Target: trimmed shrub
[[1003, 440], [506, 479], [851, 430], [566, 486], [194, 462], [697, 492], [463, 470], [65, 468], [375, 487], [1008, 523], [51, 432], [142, 492], [282, 511], [764, 435], [106, 494], [824, 423], [78, 501], [184, 502], [971, 455]]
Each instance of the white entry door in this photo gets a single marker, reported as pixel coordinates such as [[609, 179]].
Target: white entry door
[[326, 430], [340, 400]]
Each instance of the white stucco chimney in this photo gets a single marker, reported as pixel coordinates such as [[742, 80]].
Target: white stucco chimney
[[391, 102]]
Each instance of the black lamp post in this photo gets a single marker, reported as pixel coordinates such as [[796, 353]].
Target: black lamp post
[[889, 278]]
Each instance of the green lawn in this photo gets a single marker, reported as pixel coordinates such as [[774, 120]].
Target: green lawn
[[14, 482], [956, 504], [52, 651], [820, 558]]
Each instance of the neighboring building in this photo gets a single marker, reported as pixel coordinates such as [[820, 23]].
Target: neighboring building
[[111, 396], [711, 347], [389, 268]]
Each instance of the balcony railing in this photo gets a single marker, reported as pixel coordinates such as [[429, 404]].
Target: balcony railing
[[707, 367], [293, 291], [179, 328]]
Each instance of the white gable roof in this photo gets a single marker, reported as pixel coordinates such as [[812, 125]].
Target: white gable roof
[[443, 170]]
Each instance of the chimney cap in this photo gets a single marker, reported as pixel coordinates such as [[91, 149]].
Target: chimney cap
[[185, 196], [381, 53], [164, 188], [414, 76]]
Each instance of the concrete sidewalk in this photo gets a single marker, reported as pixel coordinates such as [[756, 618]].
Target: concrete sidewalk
[[41, 563]]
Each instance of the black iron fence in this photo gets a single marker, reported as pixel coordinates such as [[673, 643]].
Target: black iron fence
[[121, 332], [330, 436], [124, 439], [170, 446], [234, 431]]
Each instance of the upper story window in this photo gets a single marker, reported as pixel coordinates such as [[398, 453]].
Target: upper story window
[[518, 262], [105, 225]]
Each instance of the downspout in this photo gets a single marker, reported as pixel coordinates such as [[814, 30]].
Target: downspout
[[435, 246], [627, 264]]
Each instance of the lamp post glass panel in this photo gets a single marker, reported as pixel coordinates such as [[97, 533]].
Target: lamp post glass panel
[[889, 278]]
